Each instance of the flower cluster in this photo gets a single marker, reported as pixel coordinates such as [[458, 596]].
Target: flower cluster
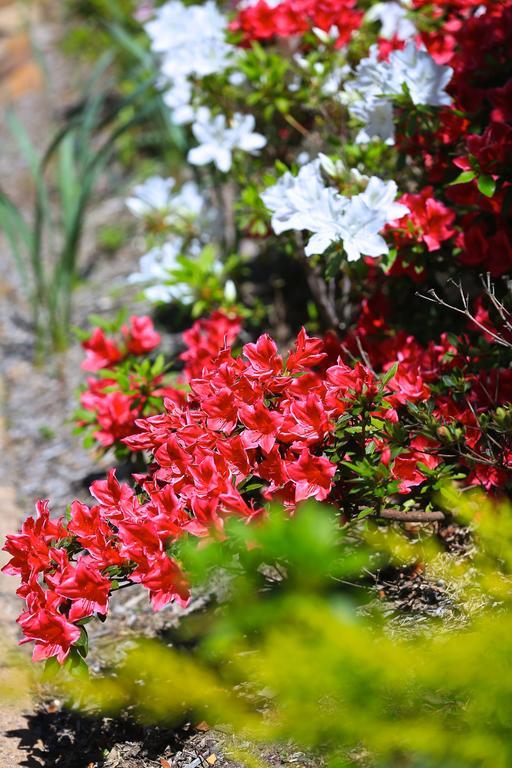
[[127, 384], [304, 202], [263, 20], [254, 428]]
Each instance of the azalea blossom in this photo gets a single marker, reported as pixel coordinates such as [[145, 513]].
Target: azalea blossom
[[157, 196], [394, 19], [304, 202], [190, 39], [150, 197], [218, 138], [191, 42], [368, 95]]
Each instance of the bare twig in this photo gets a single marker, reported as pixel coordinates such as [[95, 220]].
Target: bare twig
[[412, 517], [434, 297]]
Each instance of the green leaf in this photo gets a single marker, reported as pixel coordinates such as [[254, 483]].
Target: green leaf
[[389, 374], [463, 178], [486, 185]]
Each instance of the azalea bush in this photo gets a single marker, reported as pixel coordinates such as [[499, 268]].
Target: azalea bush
[[338, 245]]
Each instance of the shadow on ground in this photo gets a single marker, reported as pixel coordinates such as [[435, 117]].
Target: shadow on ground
[[64, 739]]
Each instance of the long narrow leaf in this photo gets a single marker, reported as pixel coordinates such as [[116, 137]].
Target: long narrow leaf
[[19, 236], [68, 181]]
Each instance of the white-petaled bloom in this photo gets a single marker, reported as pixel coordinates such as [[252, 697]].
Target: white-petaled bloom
[[157, 196], [191, 42], [394, 20], [369, 94], [425, 79], [150, 197], [292, 198], [190, 38], [377, 116], [178, 97], [380, 196], [304, 202], [218, 139], [158, 270], [156, 264], [360, 226]]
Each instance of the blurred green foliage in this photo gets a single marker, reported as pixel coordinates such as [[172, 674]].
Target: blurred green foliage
[[293, 655]]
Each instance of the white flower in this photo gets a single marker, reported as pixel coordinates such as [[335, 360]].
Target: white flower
[[152, 196], [293, 198], [377, 115], [217, 140], [157, 263], [360, 226], [368, 95], [380, 196], [191, 42], [425, 79], [190, 38], [304, 202], [157, 196], [157, 272], [178, 97], [230, 291], [394, 20]]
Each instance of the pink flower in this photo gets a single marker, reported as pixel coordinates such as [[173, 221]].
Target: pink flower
[[263, 357], [429, 219], [164, 580]]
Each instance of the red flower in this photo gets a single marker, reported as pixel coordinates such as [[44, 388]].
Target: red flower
[[263, 357], [262, 426], [85, 586], [52, 632], [140, 336], [30, 549], [100, 352], [164, 580], [405, 466], [312, 476], [429, 219]]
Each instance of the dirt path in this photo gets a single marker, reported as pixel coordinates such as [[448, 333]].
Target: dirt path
[[12, 713], [39, 457]]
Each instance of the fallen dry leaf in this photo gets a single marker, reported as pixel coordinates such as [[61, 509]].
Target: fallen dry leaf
[[202, 726]]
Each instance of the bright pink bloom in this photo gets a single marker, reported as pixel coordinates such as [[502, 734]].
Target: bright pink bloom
[[164, 580], [263, 357], [30, 549]]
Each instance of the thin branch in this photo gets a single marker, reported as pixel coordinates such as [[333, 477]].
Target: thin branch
[[412, 517]]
